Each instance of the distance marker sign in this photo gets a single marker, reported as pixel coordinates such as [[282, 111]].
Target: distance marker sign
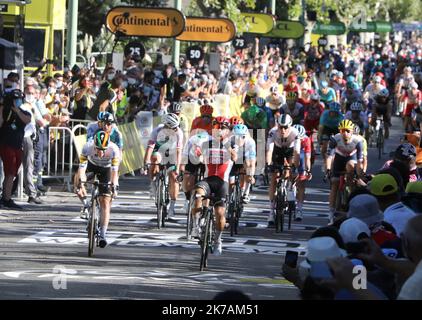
[[208, 30], [135, 48], [146, 22], [195, 54]]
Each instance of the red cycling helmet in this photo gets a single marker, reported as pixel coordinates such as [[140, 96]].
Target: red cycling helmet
[[206, 109], [379, 74], [221, 122]]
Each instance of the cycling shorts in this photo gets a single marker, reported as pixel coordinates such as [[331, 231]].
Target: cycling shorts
[[236, 168], [280, 155], [193, 168], [327, 132], [216, 187], [339, 164], [103, 175]]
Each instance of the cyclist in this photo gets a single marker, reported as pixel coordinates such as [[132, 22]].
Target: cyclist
[[294, 109], [191, 164], [417, 118], [275, 100], [261, 103], [282, 144], [218, 155], [343, 155], [101, 157], [350, 95], [235, 120], [303, 163], [403, 84], [312, 114], [357, 115], [165, 147], [372, 90], [106, 122], [204, 121], [383, 107], [246, 159], [411, 99], [326, 93], [328, 125]]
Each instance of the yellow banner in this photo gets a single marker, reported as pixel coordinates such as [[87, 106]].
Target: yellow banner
[[133, 151], [146, 22], [208, 30], [258, 22]]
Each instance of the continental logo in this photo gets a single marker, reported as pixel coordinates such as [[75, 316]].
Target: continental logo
[[146, 22], [208, 30]]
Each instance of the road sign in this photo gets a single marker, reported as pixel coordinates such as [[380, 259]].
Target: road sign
[[135, 48], [208, 30], [146, 22], [258, 22], [195, 54], [334, 28], [287, 30], [322, 42], [239, 43]]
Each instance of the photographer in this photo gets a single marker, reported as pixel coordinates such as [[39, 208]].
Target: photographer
[[12, 128]]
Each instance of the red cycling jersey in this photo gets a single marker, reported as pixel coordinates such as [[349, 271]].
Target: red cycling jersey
[[305, 145], [204, 123]]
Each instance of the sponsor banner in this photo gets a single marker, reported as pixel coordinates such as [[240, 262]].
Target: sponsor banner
[[287, 30], [208, 30], [146, 22], [258, 22]]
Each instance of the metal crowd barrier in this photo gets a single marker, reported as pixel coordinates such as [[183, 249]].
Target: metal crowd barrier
[[60, 165]]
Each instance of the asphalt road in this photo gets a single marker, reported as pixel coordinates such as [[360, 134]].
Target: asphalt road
[[43, 249]]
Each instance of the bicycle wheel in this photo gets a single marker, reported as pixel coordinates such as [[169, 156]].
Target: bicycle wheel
[[159, 202], [205, 241], [380, 143], [239, 209], [92, 228], [279, 210]]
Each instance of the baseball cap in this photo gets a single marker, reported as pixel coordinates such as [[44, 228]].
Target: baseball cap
[[414, 187], [383, 184], [365, 208], [352, 229]]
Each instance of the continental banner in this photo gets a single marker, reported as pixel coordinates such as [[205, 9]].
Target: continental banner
[[208, 30]]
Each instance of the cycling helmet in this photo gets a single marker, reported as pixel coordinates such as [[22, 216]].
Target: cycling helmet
[[108, 117], [171, 120], [379, 74], [235, 120], [356, 106], [291, 95], [240, 130], [383, 93], [101, 140], [206, 109], [292, 78], [285, 120], [100, 116], [260, 102], [405, 152], [356, 129], [315, 97], [175, 107], [350, 78], [221, 121], [350, 84], [346, 125], [301, 130], [324, 84], [334, 106]]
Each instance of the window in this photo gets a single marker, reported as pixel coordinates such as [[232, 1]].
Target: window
[[34, 41], [58, 50]]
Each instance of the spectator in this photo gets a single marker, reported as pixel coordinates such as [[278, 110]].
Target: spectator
[[83, 101], [353, 230], [13, 120], [413, 196], [384, 188]]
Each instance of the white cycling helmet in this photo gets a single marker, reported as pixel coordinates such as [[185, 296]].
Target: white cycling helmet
[[315, 97], [171, 120], [301, 130], [285, 120], [356, 106]]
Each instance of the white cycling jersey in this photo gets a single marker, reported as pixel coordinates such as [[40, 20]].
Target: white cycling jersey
[[111, 156], [291, 141], [164, 139], [339, 146], [247, 151]]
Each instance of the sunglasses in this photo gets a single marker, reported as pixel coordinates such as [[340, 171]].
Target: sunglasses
[[345, 131], [283, 127]]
